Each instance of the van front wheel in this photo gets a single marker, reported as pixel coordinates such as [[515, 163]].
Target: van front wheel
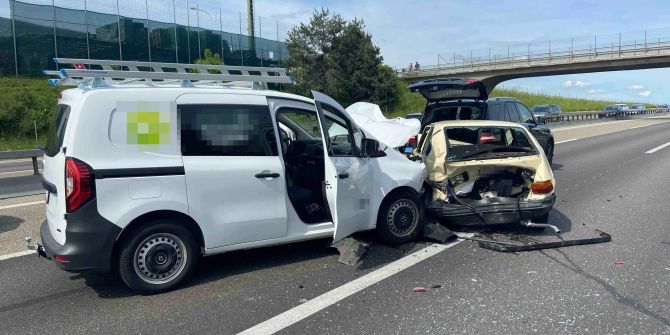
[[400, 218], [157, 257]]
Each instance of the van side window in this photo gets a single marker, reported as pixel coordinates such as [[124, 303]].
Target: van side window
[[226, 130], [344, 137], [57, 130]]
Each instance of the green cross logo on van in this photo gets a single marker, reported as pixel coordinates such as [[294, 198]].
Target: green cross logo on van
[[148, 128]]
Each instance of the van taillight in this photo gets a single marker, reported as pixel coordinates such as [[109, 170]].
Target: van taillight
[[78, 184]]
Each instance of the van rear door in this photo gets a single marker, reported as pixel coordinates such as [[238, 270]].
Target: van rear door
[[447, 89], [53, 175]]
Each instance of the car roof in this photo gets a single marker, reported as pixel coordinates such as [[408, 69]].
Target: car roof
[[475, 123]]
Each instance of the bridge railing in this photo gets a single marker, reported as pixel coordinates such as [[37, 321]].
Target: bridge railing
[[603, 47]]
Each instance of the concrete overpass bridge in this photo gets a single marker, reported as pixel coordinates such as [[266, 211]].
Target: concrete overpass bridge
[[642, 53]]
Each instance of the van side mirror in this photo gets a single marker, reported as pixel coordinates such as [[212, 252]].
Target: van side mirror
[[372, 148]]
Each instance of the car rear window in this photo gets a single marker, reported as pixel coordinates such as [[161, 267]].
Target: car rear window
[[453, 113], [57, 130], [486, 142]]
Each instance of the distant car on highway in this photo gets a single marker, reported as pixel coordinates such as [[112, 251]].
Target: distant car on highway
[[638, 107], [613, 109], [663, 106], [546, 110]]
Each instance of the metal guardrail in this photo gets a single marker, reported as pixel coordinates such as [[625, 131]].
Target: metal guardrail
[[577, 116], [652, 43], [19, 154]]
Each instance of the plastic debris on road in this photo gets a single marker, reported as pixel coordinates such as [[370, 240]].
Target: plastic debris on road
[[351, 250], [438, 233], [617, 262], [419, 290]]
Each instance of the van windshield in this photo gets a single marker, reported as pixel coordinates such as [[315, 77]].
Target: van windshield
[[57, 130]]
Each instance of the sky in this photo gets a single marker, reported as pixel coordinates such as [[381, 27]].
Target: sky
[[432, 31], [419, 30]]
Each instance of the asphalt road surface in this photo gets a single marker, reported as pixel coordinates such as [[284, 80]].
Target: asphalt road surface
[[615, 182]]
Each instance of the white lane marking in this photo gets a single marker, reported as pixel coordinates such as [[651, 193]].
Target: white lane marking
[[22, 204], [589, 125], [317, 304], [8, 172], [17, 254], [658, 148], [644, 125], [566, 141], [39, 160]]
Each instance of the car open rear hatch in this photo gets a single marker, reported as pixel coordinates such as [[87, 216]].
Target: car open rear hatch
[[448, 89]]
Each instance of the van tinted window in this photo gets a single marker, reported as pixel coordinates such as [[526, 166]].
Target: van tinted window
[[57, 130], [226, 130], [496, 112]]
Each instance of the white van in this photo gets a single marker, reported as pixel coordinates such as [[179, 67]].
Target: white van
[[144, 179]]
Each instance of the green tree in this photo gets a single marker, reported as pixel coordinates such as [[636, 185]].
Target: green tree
[[210, 58], [337, 57], [308, 46]]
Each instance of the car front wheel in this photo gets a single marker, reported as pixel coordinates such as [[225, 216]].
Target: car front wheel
[[400, 218], [157, 257]]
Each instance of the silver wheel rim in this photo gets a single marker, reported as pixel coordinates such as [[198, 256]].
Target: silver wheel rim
[[160, 258], [402, 217]]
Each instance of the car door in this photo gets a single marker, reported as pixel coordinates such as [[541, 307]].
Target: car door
[[348, 177], [234, 177], [540, 131]]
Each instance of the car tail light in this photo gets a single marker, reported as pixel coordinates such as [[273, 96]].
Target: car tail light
[[487, 138], [542, 187], [61, 259], [471, 81], [78, 184]]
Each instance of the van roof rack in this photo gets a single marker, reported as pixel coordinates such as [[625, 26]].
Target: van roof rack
[[94, 73]]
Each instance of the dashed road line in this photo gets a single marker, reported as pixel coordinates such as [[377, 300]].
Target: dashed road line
[[327, 299], [657, 148], [566, 141], [17, 254], [22, 204]]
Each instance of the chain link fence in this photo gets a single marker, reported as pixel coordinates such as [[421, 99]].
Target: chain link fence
[[174, 31]]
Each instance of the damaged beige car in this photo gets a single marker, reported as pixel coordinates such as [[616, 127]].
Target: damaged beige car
[[485, 172]]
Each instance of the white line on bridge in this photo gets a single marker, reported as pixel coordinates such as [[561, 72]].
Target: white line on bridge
[[327, 299], [566, 141], [658, 148], [22, 204], [17, 254]]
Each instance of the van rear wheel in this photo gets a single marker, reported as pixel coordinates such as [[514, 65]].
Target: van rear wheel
[[400, 218], [157, 257]]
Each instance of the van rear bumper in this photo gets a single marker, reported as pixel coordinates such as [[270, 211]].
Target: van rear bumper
[[89, 241]]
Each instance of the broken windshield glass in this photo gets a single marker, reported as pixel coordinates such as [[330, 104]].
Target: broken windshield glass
[[486, 142]]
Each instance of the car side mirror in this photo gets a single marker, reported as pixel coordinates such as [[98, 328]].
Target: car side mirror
[[541, 120], [372, 148]]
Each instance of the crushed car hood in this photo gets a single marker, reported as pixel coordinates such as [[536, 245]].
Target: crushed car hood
[[392, 132]]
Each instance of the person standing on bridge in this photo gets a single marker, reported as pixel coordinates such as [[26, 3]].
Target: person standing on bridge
[[409, 68], [417, 67]]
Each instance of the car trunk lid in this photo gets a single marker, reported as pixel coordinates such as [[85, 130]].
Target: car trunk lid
[[448, 89]]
